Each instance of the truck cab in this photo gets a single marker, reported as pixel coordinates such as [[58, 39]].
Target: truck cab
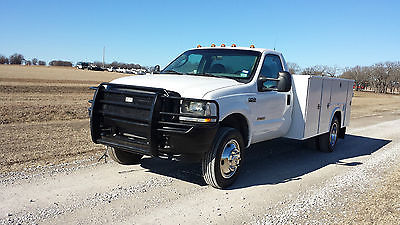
[[210, 103]]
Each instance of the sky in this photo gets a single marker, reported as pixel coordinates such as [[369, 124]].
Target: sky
[[314, 32]]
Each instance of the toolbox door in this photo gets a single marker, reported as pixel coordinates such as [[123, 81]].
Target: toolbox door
[[326, 106], [348, 103], [313, 106]]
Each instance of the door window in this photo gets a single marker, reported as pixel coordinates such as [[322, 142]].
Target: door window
[[271, 67]]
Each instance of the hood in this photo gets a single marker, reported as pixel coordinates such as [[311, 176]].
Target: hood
[[186, 85]]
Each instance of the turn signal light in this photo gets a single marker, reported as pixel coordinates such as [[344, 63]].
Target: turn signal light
[[198, 46], [212, 45], [223, 45], [233, 45], [252, 46]]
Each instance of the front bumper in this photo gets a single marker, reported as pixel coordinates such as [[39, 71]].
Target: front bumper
[[197, 141], [146, 121]]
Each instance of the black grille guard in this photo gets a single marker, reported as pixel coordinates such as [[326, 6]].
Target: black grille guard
[[135, 118]]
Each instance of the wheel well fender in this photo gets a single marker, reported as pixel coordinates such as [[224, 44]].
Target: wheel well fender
[[239, 122], [338, 113]]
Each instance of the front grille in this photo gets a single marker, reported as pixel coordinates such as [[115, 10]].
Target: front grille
[[137, 119], [122, 117]]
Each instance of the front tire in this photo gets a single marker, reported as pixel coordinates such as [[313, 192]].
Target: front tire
[[327, 142], [221, 164], [124, 157]]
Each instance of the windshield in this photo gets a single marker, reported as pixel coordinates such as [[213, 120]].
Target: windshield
[[228, 63]]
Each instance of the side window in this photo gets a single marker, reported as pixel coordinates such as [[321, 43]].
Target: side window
[[271, 67]]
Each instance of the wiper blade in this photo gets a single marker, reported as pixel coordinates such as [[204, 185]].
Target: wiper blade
[[212, 75], [204, 74], [171, 72]]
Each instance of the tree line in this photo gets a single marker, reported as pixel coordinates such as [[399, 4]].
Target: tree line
[[318, 70], [18, 59], [380, 77]]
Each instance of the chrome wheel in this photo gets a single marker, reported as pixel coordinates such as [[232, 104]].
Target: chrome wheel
[[333, 134], [230, 159]]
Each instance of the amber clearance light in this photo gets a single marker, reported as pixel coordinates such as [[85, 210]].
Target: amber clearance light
[[212, 45], [252, 46], [233, 45]]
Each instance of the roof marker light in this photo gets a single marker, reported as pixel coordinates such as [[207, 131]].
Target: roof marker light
[[198, 46], [252, 46], [233, 45], [223, 45], [212, 45]]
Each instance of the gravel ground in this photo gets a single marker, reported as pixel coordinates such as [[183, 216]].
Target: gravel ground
[[363, 194]]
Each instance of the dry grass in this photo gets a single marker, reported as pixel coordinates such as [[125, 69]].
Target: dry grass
[[55, 73], [369, 103], [40, 94], [43, 115]]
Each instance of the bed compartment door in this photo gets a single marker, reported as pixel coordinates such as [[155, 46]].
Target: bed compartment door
[[326, 106]]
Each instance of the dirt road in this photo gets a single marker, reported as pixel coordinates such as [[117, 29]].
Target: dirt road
[[50, 174]]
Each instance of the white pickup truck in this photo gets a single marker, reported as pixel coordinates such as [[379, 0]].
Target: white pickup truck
[[213, 103]]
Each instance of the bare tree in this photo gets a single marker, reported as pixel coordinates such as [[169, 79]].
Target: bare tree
[[293, 68], [331, 70], [3, 59], [359, 75], [314, 70], [16, 59], [322, 70]]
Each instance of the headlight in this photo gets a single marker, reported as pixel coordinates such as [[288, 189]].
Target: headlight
[[198, 109]]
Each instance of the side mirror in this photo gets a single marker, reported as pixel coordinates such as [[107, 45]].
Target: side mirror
[[283, 83], [156, 69]]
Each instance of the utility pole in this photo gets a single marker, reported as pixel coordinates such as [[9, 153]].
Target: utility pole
[[104, 52]]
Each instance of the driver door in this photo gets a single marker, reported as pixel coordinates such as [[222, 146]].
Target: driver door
[[270, 109]]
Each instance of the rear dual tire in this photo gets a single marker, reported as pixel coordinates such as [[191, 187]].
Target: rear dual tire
[[327, 142]]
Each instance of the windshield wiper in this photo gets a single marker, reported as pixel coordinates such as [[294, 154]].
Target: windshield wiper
[[212, 75], [204, 74], [171, 72]]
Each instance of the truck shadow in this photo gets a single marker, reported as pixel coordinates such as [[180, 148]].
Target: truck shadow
[[276, 161]]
